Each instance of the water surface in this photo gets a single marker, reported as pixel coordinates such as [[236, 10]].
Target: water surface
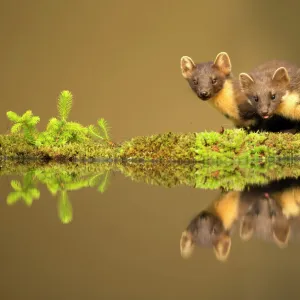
[[121, 241]]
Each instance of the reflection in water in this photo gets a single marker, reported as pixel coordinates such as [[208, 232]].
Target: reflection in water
[[270, 212], [59, 182], [268, 209]]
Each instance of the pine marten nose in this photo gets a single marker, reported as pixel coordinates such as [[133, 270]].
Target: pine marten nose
[[204, 94]]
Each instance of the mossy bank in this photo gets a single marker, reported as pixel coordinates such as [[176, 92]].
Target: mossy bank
[[231, 145]]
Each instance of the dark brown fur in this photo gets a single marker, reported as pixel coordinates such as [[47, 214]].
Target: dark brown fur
[[264, 93]]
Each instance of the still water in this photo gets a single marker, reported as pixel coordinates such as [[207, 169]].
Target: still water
[[102, 231]]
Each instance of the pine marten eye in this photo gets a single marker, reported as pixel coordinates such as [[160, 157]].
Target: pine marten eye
[[213, 80], [255, 98], [195, 81], [273, 96]]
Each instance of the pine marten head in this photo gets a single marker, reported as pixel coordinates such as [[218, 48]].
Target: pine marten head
[[265, 92], [206, 79], [206, 230]]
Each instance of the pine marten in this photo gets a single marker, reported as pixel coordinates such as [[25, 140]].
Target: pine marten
[[213, 82], [273, 88]]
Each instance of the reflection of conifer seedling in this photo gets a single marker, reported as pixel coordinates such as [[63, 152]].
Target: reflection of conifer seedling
[[102, 180], [25, 124], [65, 209], [59, 182], [26, 192]]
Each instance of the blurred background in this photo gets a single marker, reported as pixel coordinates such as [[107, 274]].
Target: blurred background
[[121, 59]]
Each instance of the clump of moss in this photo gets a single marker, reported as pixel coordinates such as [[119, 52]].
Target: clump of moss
[[160, 147], [237, 144]]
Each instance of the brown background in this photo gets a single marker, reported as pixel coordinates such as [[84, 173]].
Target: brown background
[[121, 61]]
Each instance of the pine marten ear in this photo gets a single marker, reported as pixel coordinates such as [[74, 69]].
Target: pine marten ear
[[222, 247], [281, 77], [186, 244], [222, 62], [246, 228], [281, 232], [246, 81], [187, 66]]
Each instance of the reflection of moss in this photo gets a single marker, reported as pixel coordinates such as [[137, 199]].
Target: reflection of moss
[[161, 174], [74, 176]]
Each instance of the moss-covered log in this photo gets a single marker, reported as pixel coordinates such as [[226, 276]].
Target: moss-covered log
[[231, 145]]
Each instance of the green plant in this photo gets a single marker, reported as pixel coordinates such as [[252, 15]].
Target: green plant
[[59, 131], [26, 191], [101, 132], [25, 124]]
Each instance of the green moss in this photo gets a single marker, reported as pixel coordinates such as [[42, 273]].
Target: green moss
[[233, 145], [237, 145], [160, 147]]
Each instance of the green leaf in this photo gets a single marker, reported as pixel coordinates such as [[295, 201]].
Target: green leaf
[[26, 116], [28, 179], [12, 116], [104, 184], [28, 135], [16, 185], [93, 131], [53, 124], [27, 199], [34, 193], [65, 209], [64, 105], [103, 124], [16, 128], [33, 121], [13, 197]]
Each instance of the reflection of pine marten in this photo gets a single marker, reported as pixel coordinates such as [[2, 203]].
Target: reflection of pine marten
[[265, 220], [274, 212], [213, 82], [263, 211], [211, 228], [273, 88]]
